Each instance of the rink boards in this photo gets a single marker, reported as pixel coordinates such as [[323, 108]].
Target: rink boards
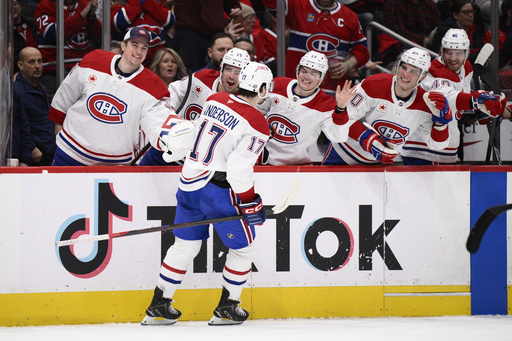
[[356, 241]]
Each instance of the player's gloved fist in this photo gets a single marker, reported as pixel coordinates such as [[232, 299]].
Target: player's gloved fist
[[376, 145], [178, 140], [253, 211], [442, 113], [487, 103]]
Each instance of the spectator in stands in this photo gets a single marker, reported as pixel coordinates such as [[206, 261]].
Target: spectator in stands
[[82, 33], [314, 27], [412, 19], [365, 10], [246, 44], [28, 7], [156, 16], [167, 65], [24, 31], [268, 37], [248, 25], [196, 23], [506, 48], [220, 44], [463, 16], [22, 146], [36, 107], [299, 111]]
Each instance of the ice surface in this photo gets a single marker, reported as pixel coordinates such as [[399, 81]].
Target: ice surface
[[453, 328]]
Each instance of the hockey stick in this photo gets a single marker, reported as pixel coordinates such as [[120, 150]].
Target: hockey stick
[[481, 71], [146, 147], [280, 207], [485, 75], [481, 225]]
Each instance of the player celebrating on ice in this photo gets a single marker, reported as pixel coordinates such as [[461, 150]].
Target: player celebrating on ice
[[299, 111], [217, 181], [203, 83], [104, 100], [451, 74], [392, 106]]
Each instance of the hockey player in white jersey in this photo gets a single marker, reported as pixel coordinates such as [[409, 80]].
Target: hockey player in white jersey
[[195, 89], [103, 101], [394, 107], [217, 181], [299, 111], [451, 74]]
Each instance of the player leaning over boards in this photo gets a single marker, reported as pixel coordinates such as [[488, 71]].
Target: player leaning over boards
[[195, 89], [217, 181], [394, 107], [299, 111], [451, 74], [103, 101]]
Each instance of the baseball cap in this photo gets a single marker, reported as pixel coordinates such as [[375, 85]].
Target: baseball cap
[[246, 10], [137, 32]]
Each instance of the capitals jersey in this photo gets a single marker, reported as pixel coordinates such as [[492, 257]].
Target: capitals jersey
[[205, 82], [332, 32], [232, 134], [375, 103], [154, 16], [441, 78], [101, 111], [78, 33], [298, 122]]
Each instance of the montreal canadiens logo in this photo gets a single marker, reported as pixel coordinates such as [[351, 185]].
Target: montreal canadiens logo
[[192, 112], [106, 108], [323, 43], [395, 132], [286, 130]]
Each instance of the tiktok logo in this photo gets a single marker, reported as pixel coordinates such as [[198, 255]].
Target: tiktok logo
[[107, 205]]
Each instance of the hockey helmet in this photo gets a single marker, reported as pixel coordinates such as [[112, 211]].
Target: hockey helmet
[[316, 61], [456, 39], [416, 57], [253, 76], [235, 57]]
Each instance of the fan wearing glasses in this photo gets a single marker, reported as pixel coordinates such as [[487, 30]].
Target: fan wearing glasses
[[466, 16]]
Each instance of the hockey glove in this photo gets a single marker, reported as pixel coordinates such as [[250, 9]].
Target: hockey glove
[[376, 145], [254, 214], [178, 141], [438, 105], [487, 103]]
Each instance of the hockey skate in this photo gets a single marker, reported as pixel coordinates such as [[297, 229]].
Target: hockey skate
[[228, 312], [160, 312]]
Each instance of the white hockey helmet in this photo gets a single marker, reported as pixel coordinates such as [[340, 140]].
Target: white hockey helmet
[[316, 61], [416, 57], [235, 57], [456, 39], [253, 76]]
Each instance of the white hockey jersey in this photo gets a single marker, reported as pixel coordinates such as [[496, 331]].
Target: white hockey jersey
[[101, 111], [441, 78], [232, 134], [205, 82], [298, 122], [375, 103]]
